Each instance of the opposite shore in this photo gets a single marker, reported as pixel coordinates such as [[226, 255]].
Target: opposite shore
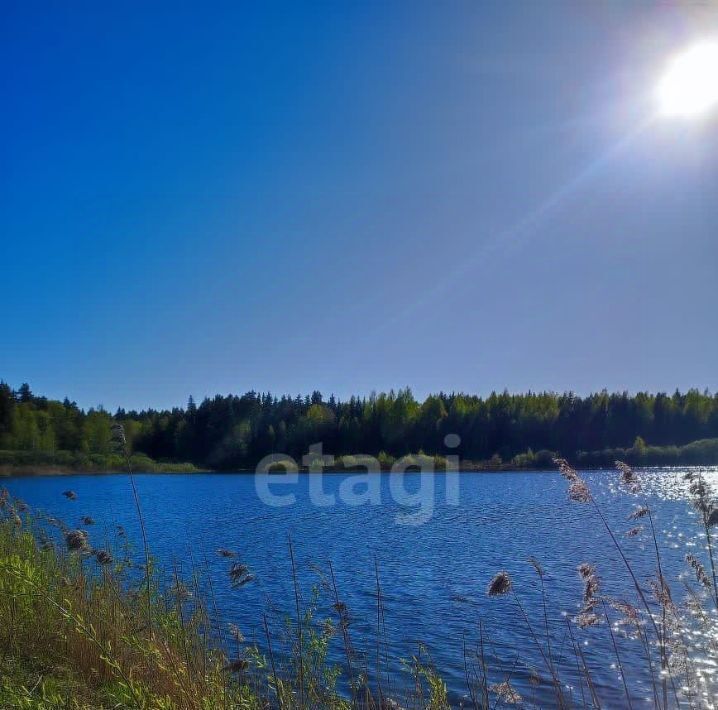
[[703, 452]]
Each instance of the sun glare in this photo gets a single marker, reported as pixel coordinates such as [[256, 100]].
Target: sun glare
[[689, 87]]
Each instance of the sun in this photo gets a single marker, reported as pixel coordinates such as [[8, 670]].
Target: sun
[[689, 87]]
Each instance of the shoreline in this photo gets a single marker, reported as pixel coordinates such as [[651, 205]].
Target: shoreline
[[59, 472], [27, 471]]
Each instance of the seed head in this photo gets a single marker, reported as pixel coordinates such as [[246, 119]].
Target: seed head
[[565, 469], [639, 513], [103, 557], [507, 693], [537, 566], [77, 541], [699, 569], [591, 585], [628, 611], [628, 477], [239, 575], [586, 619], [236, 632], [579, 492], [499, 585]]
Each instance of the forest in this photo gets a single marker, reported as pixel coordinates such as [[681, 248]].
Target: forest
[[235, 431]]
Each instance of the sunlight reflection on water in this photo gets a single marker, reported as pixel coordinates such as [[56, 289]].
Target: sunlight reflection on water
[[698, 620]]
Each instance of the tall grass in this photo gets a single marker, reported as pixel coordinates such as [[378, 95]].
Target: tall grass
[[82, 627], [73, 615]]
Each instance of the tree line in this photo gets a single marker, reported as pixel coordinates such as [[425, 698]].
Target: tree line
[[236, 431]]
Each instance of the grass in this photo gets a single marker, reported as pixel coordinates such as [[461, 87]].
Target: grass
[[72, 628], [82, 627], [13, 463]]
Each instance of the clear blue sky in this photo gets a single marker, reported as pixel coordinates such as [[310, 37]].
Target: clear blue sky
[[207, 197]]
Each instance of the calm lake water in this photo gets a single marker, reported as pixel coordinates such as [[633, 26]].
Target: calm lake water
[[433, 576]]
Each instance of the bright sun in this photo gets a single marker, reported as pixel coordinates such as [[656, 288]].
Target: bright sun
[[689, 87]]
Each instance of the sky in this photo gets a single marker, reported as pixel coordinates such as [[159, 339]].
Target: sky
[[201, 198]]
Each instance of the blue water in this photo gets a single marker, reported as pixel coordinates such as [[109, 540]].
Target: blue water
[[433, 575]]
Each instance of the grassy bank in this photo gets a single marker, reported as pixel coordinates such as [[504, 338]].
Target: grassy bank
[[65, 462], [74, 635], [82, 626]]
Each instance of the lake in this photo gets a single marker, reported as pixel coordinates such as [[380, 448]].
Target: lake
[[433, 575]]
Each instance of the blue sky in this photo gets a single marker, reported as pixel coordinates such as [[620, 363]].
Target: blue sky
[[207, 197]]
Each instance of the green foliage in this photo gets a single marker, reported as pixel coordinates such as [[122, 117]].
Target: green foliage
[[235, 432], [309, 674], [703, 452], [69, 636], [44, 694], [79, 461], [429, 688]]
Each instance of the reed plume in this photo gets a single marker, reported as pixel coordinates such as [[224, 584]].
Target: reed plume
[[699, 569], [704, 503], [628, 477], [506, 693], [638, 513], [591, 585], [239, 575], [499, 585], [578, 490], [77, 541], [103, 557]]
